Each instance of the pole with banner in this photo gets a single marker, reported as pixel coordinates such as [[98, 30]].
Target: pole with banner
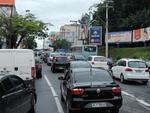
[[96, 35]]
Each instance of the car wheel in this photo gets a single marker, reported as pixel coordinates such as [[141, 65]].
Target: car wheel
[[122, 78], [68, 109], [114, 110], [144, 82]]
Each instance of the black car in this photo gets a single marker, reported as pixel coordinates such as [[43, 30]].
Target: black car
[[38, 66], [90, 89], [60, 63], [15, 95]]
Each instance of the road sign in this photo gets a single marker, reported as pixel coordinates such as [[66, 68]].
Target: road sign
[[96, 35]]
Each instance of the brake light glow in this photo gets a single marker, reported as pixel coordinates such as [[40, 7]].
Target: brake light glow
[[77, 91], [33, 72], [116, 90], [128, 69]]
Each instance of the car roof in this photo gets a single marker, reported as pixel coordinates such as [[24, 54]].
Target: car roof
[[131, 59], [87, 69], [79, 62], [96, 56]]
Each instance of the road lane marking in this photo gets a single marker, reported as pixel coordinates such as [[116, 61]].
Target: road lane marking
[[58, 104], [137, 99]]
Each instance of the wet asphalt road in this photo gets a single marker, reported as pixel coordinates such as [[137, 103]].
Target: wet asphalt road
[[136, 97]]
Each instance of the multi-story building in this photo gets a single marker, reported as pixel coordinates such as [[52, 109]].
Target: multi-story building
[[71, 32], [8, 9]]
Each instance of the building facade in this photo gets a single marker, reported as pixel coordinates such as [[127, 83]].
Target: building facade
[[7, 9], [71, 32]]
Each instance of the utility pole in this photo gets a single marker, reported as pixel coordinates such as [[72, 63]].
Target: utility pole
[[107, 8], [106, 29]]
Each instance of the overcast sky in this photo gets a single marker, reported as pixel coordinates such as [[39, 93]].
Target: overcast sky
[[57, 12]]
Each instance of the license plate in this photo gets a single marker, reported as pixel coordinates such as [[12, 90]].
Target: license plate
[[97, 105], [139, 71]]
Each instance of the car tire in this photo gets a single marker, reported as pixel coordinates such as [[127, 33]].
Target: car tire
[[67, 106], [122, 80], [144, 82], [116, 110]]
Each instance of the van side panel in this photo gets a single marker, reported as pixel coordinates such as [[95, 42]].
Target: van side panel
[[24, 61], [6, 62], [17, 61]]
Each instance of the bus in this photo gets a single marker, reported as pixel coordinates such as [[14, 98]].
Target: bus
[[86, 50]]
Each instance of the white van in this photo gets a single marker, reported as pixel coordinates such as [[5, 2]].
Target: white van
[[19, 62]]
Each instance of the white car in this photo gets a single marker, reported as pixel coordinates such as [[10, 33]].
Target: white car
[[98, 61], [50, 58], [131, 69]]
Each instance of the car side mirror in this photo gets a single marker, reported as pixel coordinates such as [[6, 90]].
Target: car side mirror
[[60, 78]]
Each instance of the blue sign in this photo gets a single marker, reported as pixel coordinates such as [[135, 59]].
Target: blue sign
[[96, 35]]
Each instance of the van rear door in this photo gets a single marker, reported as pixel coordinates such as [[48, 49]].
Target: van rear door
[[24, 61], [6, 62]]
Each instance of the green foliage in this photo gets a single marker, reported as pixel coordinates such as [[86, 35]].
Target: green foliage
[[125, 15], [116, 53], [61, 43], [20, 27]]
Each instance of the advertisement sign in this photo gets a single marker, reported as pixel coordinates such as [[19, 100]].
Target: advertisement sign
[[7, 2], [137, 35], [96, 35], [119, 37], [141, 35], [146, 34], [83, 32]]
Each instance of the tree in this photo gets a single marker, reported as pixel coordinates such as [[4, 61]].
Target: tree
[[62, 44], [19, 28], [125, 15]]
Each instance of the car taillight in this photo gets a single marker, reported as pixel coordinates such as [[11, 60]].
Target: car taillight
[[77, 91], [93, 63], [116, 90], [40, 66], [33, 72], [128, 69]]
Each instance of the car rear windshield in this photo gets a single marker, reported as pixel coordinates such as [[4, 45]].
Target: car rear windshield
[[61, 59], [95, 76], [137, 64], [100, 59]]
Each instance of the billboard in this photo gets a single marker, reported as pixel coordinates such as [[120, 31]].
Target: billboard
[[96, 35], [83, 32], [119, 37], [141, 35], [7, 2]]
